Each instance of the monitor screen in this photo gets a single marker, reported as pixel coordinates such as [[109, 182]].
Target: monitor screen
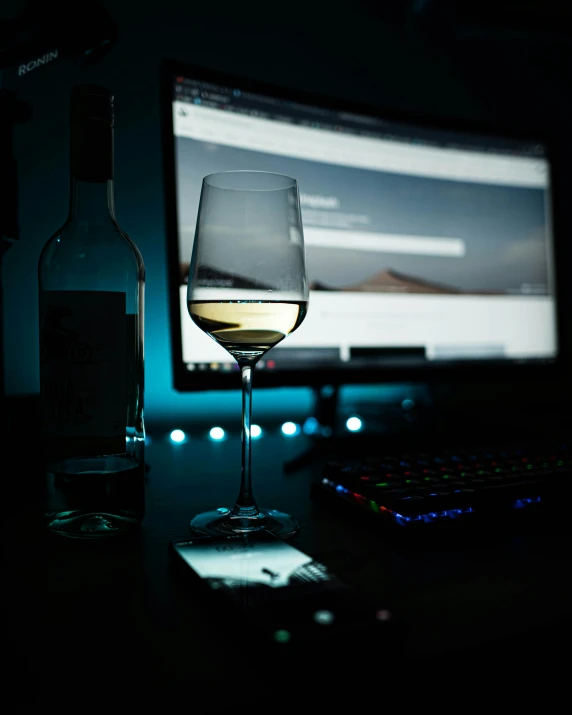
[[428, 248]]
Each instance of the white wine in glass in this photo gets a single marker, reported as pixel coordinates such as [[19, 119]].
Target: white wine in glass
[[247, 290]]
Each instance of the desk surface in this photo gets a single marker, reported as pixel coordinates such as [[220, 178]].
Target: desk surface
[[94, 614]]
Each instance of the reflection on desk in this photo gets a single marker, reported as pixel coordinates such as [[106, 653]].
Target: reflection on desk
[[88, 617]]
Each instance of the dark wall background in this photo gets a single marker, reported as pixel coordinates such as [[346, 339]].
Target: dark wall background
[[502, 61]]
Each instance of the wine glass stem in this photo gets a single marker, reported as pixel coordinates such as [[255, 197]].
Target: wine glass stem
[[245, 504]]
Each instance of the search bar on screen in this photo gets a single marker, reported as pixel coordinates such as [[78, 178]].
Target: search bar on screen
[[384, 242]]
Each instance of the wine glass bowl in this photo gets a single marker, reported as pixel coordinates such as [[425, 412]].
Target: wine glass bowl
[[248, 291]]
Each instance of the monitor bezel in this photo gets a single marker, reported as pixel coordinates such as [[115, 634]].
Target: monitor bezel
[[469, 372]]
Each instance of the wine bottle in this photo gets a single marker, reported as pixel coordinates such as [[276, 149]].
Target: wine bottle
[[91, 286]]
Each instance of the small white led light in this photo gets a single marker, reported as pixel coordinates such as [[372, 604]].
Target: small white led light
[[354, 424], [289, 428], [177, 436]]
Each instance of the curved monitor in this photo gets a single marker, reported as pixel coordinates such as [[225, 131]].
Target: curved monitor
[[429, 247]]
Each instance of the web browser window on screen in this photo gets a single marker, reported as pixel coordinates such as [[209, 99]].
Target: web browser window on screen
[[420, 246]]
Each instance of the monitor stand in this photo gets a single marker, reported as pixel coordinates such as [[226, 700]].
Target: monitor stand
[[331, 438], [321, 427], [458, 414]]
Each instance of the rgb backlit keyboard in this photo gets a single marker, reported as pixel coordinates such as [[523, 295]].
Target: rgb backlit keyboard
[[424, 487]]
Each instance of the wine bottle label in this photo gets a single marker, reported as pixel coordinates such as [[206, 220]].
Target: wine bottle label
[[83, 372]]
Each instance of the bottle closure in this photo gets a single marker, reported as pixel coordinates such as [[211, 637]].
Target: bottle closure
[[91, 133]]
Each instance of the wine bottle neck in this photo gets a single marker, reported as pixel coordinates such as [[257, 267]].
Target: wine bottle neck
[[91, 201], [91, 161]]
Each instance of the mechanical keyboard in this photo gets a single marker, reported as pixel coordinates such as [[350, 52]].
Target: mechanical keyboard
[[420, 488]]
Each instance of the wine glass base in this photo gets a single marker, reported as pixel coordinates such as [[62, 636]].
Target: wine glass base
[[222, 522]]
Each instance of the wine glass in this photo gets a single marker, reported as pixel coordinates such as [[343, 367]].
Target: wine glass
[[247, 290]]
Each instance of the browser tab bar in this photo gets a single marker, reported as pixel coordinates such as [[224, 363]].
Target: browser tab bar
[[205, 122]]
